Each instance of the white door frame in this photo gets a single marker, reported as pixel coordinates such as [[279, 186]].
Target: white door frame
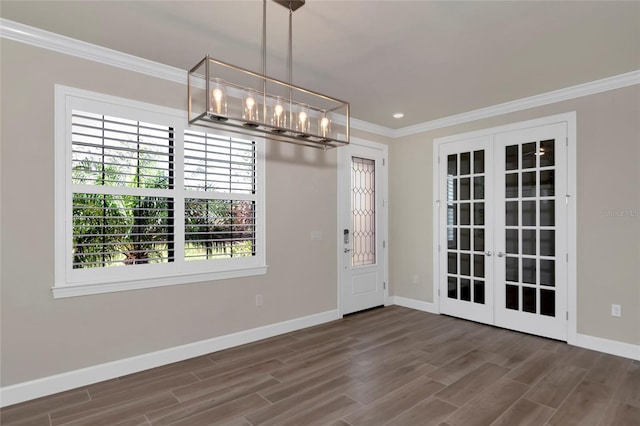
[[344, 166], [570, 119]]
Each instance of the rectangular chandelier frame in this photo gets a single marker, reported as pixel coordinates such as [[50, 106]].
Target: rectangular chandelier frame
[[223, 96]]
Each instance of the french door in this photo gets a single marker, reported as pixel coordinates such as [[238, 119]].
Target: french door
[[503, 229]]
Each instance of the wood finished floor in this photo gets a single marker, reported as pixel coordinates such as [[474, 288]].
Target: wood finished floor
[[390, 366]]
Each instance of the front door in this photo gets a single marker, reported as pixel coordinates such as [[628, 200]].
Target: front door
[[502, 229], [362, 257]]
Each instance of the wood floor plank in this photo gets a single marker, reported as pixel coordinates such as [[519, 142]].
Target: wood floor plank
[[450, 351], [517, 353], [535, 368], [629, 389], [466, 388], [489, 404], [608, 370], [459, 367], [621, 414], [189, 407], [395, 403], [555, 386], [121, 412], [429, 412], [226, 413], [238, 369], [173, 369], [301, 401], [368, 371], [298, 384], [385, 350], [136, 421], [67, 414], [29, 420], [584, 406], [250, 349], [380, 335], [40, 406], [497, 343], [324, 413], [308, 352], [370, 391], [581, 357], [525, 413]]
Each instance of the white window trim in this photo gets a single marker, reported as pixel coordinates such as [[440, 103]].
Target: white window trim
[[71, 283]]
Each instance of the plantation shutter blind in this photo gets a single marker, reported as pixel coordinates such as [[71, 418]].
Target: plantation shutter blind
[[220, 215], [123, 206]]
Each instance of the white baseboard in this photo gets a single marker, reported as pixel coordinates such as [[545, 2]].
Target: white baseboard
[[613, 347], [33, 389], [414, 304], [626, 350]]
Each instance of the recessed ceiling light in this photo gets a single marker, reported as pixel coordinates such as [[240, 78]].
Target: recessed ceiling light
[[398, 115]]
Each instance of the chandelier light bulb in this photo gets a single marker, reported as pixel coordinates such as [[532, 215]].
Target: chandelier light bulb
[[325, 126], [279, 115], [302, 126], [250, 112], [219, 97]]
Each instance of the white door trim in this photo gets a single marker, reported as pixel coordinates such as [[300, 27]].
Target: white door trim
[[384, 224], [570, 119]]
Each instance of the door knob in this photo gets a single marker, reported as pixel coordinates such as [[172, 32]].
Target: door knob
[[347, 250], [500, 254], [488, 253]]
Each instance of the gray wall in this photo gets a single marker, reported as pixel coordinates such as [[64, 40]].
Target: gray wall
[[42, 336], [608, 169]]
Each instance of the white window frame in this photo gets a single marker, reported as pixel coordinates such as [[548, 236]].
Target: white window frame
[[71, 282]]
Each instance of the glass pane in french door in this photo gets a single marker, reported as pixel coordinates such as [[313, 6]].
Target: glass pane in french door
[[530, 227], [465, 221]]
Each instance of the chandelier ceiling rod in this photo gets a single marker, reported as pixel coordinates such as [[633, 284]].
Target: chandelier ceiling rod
[[290, 45]]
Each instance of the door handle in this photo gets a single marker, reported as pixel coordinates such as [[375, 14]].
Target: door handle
[[488, 253], [347, 250], [500, 254]]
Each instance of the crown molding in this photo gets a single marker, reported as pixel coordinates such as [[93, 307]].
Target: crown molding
[[16, 31], [58, 43], [585, 89]]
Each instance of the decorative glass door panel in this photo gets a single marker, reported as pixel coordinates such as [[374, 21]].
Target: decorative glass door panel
[[363, 211]]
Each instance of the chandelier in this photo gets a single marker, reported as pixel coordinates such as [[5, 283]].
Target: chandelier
[[227, 97]]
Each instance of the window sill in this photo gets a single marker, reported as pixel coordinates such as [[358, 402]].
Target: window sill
[[84, 289]]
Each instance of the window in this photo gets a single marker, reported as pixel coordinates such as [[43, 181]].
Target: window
[[144, 201]]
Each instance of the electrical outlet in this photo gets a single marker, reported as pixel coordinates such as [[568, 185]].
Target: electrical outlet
[[616, 311], [258, 300]]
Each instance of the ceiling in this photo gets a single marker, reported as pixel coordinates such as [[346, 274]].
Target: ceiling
[[427, 59]]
